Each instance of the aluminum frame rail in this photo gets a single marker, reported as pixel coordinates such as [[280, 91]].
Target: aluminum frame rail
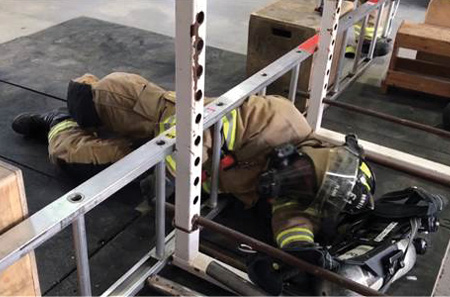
[[360, 64]]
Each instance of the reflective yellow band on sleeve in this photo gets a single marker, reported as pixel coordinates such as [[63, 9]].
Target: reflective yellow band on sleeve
[[58, 128], [365, 169], [229, 129]]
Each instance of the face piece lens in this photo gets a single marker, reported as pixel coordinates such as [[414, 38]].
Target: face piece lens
[[294, 181]]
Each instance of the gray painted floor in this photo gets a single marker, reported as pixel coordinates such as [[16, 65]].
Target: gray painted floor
[[227, 19]]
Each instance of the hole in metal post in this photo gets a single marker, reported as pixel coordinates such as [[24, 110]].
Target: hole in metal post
[[197, 140], [75, 197], [338, 10], [160, 142], [200, 17], [198, 118], [200, 44], [197, 161], [196, 181], [220, 104], [335, 27], [331, 57], [328, 72], [198, 95], [264, 74], [326, 86], [199, 70], [195, 200]]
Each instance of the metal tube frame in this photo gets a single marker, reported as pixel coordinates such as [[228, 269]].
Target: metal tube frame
[[71, 207], [82, 256]]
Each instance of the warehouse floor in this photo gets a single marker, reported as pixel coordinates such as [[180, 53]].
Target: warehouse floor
[[119, 231]]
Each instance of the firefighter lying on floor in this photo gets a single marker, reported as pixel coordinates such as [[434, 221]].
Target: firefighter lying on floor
[[266, 142]]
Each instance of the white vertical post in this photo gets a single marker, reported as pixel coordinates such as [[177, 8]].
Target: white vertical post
[[190, 48], [322, 61]]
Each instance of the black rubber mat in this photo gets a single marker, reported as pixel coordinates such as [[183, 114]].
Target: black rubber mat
[[47, 60]]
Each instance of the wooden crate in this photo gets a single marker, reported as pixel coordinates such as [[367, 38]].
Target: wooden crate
[[21, 278], [418, 75], [278, 28], [438, 13]]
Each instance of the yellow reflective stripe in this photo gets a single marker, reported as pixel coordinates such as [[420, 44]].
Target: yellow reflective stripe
[[295, 238], [64, 125], [369, 31], [170, 162], [365, 169], [350, 49], [279, 206], [295, 230], [206, 185], [229, 129]]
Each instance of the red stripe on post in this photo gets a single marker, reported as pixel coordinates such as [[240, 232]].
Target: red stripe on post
[[310, 45]]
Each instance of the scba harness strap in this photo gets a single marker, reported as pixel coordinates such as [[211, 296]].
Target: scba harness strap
[[410, 202]]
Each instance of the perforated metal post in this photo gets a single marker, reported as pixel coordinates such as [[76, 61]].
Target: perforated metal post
[[323, 61], [190, 73], [82, 256]]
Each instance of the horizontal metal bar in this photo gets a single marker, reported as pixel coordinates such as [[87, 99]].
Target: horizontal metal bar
[[236, 96], [387, 117], [395, 159], [41, 226], [287, 258]]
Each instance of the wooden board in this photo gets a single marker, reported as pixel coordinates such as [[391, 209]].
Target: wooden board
[[21, 278], [417, 82], [438, 13], [423, 37]]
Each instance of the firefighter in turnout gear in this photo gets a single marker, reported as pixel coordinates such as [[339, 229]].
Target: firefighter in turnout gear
[[129, 109]]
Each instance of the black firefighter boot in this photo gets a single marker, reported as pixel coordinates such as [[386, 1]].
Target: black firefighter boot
[[37, 126]]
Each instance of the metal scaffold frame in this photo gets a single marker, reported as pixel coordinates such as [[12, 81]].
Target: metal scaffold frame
[[192, 119]]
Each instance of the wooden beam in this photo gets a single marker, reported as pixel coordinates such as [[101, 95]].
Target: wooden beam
[[422, 67], [423, 37], [417, 82]]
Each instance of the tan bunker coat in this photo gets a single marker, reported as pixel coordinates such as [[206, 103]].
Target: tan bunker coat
[[133, 108]]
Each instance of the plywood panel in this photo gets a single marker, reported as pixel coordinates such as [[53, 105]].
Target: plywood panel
[[20, 279]]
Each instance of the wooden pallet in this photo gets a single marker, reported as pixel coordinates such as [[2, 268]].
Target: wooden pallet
[[414, 74], [21, 278]]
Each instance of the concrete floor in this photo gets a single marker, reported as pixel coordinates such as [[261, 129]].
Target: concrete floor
[[227, 28]]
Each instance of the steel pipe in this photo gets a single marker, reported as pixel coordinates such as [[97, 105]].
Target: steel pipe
[[294, 82], [388, 117], [82, 256], [160, 212], [286, 258], [215, 161]]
